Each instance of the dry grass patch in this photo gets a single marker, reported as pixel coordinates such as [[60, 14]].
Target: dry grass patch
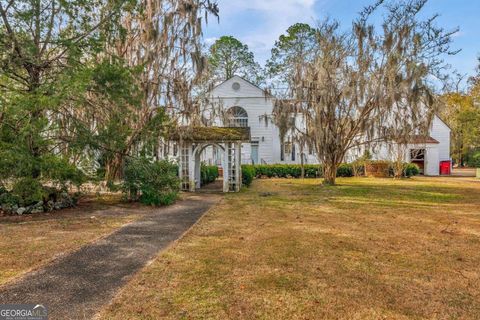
[[293, 249], [30, 241]]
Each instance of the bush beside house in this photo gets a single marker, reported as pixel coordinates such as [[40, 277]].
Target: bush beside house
[[410, 170], [208, 174], [152, 183], [248, 173]]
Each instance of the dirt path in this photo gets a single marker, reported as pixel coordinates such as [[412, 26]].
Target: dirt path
[[78, 285]]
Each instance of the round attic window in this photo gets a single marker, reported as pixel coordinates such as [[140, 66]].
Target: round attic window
[[236, 86]]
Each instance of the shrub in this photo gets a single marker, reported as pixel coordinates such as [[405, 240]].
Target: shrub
[[472, 158], [358, 168], [474, 161], [410, 170], [378, 168], [152, 183], [383, 168], [29, 190], [208, 174], [10, 199], [287, 170], [61, 172], [248, 173], [313, 171], [31, 196], [345, 170]]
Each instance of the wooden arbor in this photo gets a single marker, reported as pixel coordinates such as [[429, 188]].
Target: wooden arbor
[[193, 140]]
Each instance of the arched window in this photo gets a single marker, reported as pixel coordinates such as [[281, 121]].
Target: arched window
[[237, 117]]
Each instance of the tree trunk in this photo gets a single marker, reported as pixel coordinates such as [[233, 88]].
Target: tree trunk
[[330, 173], [399, 160], [113, 168], [398, 169], [302, 168], [302, 164]]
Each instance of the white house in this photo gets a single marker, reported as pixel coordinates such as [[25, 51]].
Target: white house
[[249, 106]]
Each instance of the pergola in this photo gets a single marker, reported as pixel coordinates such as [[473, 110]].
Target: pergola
[[193, 140]]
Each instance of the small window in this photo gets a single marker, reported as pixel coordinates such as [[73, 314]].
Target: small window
[[236, 86], [285, 148], [293, 152]]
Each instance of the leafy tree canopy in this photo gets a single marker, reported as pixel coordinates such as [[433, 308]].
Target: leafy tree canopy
[[228, 57], [297, 44], [44, 47]]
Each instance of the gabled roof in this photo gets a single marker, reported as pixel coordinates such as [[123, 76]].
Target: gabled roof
[[444, 122], [419, 139], [263, 91]]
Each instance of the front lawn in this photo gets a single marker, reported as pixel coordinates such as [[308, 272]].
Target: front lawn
[[30, 241], [294, 249]]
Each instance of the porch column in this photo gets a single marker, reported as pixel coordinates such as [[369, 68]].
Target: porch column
[[225, 166], [198, 177], [180, 165], [184, 165], [191, 168], [238, 166]]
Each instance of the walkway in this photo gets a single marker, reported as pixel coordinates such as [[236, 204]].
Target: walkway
[[213, 187], [78, 285]]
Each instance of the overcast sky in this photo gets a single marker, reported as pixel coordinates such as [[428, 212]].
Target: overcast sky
[[258, 23]]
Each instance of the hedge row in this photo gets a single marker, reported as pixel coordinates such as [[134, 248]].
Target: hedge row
[[208, 174], [311, 171], [294, 170]]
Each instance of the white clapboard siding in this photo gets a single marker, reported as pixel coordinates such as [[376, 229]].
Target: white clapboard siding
[[239, 92], [441, 132], [257, 105]]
